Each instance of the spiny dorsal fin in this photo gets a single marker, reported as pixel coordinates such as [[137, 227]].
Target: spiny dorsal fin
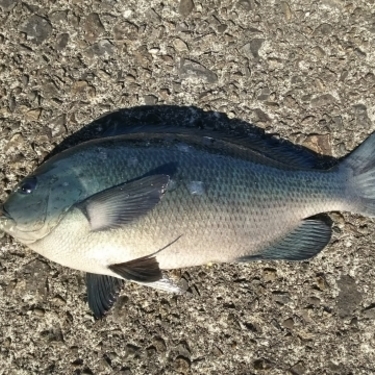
[[266, 150]]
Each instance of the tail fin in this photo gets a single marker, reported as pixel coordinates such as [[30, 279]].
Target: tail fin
[[359, 169]]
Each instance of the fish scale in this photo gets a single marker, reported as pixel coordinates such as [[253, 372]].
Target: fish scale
[[200, 213], [199, 210], [121, 208]]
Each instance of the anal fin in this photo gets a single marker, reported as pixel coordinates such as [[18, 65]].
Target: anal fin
[[303, 242]]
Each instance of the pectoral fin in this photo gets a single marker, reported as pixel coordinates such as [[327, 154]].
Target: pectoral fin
[[304, 242], [144, 270], [124, 203], [102, 292]]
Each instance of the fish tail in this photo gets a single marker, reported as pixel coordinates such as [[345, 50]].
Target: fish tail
[[359, 171]]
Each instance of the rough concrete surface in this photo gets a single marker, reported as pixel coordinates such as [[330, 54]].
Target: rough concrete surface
[[301, 69]]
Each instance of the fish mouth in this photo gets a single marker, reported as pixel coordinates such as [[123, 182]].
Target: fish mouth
[[4, 214], [6, 220], [9, 225]]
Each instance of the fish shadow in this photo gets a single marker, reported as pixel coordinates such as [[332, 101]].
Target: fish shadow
[[189, 117]]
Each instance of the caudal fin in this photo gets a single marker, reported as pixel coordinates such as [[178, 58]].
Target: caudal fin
[[359, 169]]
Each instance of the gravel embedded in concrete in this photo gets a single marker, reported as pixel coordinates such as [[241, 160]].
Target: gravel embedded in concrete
[[303, 70]]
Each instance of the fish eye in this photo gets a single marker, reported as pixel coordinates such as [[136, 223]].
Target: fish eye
[[28, 186]]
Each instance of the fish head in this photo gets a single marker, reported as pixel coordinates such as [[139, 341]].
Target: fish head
[[38, 202]]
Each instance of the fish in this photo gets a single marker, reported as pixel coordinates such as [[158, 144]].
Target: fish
[[131, 205]]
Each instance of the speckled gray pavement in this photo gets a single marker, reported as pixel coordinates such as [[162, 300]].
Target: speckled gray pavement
[[300, 69]]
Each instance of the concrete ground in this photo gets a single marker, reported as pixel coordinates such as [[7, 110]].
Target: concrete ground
[[300, 69]]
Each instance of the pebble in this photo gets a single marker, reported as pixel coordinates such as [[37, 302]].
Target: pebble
[[361, 117], [369, 312], [150, 99], [180, 45], [33, 114], [7, 4], [16, 162], [79, 87], [320, 143], [298, 369], [164, 93], [44, 136], [38, 29], [269, 274], [59, 301], [288, 323], [93, 27], [349, 297], [259, 117], [126, 31], [15, 142], [182, 364], [262, 364], [193, 69], [62, 41], [185, 7], [39, 312], [244, 5], [322, 100], [159, 344], [252, 48], [58, 126], [59, 16], [103, 47], [285, 9]]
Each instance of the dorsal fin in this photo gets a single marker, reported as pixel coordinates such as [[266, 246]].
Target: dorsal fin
[[265, 150]]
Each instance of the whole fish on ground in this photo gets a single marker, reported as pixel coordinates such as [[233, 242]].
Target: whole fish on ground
[[129, 206]]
